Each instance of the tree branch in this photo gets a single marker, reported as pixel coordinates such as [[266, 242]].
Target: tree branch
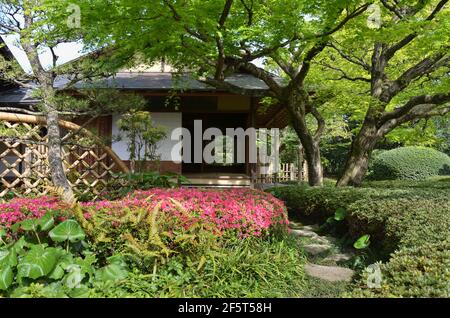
[[249, 9], [344, 74], [19, 110], [177, 17], [352, 59], [426, 66], [219, 40], [420, 111], [320, 123], [435, 100], [390, 52], [392, 8], [321, 35]]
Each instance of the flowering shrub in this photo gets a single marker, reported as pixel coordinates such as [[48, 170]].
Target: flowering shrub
[[19, 209], [250, 212]]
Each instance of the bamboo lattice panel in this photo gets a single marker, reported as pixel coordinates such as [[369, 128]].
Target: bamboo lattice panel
[[24, 168]]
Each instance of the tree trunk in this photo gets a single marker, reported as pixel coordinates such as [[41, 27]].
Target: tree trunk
[[55, 158], [315, 169], [311, 149], [296, 106], [357, 161], [46, 81]]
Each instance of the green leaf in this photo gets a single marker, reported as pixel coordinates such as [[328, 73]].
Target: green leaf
[[74, 277], [38, 262], [29, 225], [362, 242], [65, 260], [2, 232], [112, 272], [330, 220], [57, 273], [86, 264], [340, 214], [8, 257], [117, 259], [46, 222], [69, 230], [15, 227], [18, 246], [81, 292], [6, 277]]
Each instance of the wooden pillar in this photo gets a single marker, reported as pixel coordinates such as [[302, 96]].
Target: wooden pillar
[[252, 167]]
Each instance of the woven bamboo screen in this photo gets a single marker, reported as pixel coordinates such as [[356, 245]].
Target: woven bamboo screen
[[24, 168]]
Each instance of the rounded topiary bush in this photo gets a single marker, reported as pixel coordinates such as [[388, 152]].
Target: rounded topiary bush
[[410, 163]]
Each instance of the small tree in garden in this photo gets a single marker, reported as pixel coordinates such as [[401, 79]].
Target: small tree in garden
[[142, 137], [41, 26]]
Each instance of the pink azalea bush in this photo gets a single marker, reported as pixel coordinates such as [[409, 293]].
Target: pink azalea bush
[[20, 209], [247, 211]]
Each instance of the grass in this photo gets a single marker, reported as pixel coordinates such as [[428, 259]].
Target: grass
[[268, 267]]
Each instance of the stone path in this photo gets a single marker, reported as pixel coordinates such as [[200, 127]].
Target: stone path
[[322, 250]]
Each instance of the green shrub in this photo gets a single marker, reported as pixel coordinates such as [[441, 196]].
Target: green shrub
[[123, 183], [393, 217], [411, 220], [420, 271], [410, 163], [318, 203], [406, 221], [430, 183]]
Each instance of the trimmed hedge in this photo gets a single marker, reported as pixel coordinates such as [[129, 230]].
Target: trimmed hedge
[[400, 221], [393, 217], [421, 271], [410, 163]]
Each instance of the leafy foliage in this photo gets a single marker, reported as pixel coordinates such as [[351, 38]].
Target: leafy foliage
[[418, 271], [124, 184], [37, 261]]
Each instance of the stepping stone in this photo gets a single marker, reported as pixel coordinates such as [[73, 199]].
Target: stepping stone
[[295, 225], [329, 273], [326, 240], [316, 249], [341, 257], [313, 228], [304, 233]]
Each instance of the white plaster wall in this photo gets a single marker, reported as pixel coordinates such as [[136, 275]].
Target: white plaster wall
[[168, 121]]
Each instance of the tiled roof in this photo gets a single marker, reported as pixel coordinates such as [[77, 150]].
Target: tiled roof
[[140, 81], [17, 96], [163, 81]]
